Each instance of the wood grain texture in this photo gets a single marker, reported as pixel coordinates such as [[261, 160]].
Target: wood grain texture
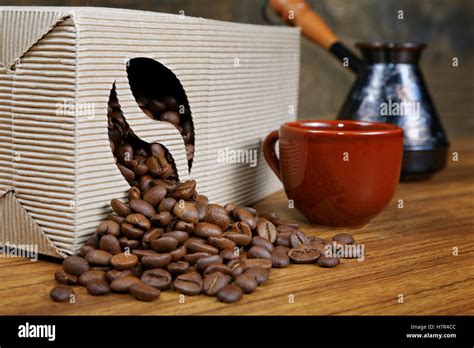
[[409, 251]]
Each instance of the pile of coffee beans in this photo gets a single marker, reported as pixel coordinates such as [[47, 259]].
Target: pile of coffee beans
[[167, 236]]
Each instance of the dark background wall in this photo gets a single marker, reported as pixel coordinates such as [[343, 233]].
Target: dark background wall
[[446, 25]]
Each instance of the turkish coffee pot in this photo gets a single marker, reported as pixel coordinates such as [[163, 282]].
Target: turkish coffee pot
[[389, 88]]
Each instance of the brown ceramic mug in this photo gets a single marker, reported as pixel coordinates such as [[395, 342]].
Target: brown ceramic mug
[[338, 173]]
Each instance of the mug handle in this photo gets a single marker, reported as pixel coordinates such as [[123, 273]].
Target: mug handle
[[270, 154]]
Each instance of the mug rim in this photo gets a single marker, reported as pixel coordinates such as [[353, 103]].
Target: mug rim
[[373, 128]]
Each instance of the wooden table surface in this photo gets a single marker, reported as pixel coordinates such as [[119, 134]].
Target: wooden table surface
[[409, 252]]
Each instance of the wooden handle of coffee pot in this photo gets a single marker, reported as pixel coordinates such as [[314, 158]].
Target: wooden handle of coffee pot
[[299, 13]]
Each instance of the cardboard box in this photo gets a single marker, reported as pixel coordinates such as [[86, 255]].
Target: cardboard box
[[57, 68]]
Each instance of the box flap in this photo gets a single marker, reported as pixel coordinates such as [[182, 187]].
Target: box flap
[[22, 27]]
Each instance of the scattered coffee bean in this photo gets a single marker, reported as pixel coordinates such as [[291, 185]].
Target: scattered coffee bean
[[61, 293], [343, 238], [122, 284], [259, 273], [280, 259], [246, 282], [328, 262], [75, 265], [214, 282], [157, 278], [124, 261], [230, 294], [63, 278], [144, 292], [304, 254], [98, 287], [189, 283], [89, 275]]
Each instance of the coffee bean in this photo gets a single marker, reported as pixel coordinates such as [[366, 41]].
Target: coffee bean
[[186, 211], [124, 261], [217, 215], [304, 254], [184, 190], [221, 243], [217, 267], [109, 227], [75, 265], [202, 208], [87, 276], [98, 257], [184, 226], [130, 231], [246, 282], [164, 244], [161, 219], [177, 268], [240, 239], [262, 242], [154, 195], [112, 274], [343, 238], [120, 208], [298, 238], [144, 292], [267, 231], [214, 282], [280, 259], [180, 236], [93, 241], [157, 278], [242, 214], [98, 287], [61, 293], [157, 107], [134, 193], [156, 261], [281, 248], [189, 283], [264, 263], [137, 270], [195, 247], [179, 253], [328, 262], [110, 244], [128, 174], [139, 221], [145, 182], [230, 294], [206, 230], [259, 273], [171, 117], [128, 243], [272, 217], [237, 267], [63, 278], [229, 254], [203, 262], [122, 284], [170, 102], [142, 207], [258, 252], [144, 252], [242, 227], [193, 258], [167, 204], [283, 239], [152, 234]]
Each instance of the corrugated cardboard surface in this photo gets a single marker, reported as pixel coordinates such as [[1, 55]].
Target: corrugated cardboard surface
[[241, 82]]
